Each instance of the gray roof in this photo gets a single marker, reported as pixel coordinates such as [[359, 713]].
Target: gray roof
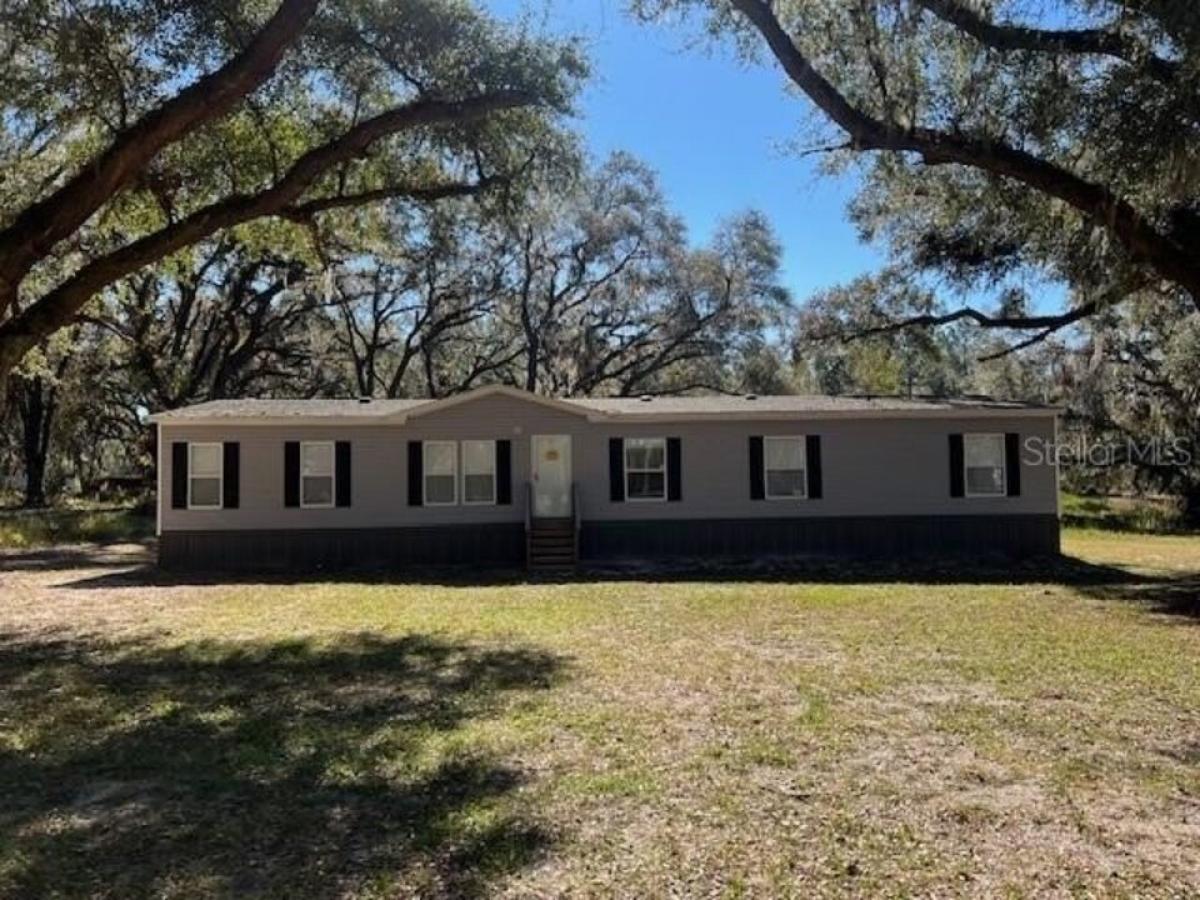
[[789, 403], [719, 405], [270, 409]]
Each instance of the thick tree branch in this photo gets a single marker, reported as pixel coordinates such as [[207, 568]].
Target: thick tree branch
[[1045, 325], [1140, 238], [1022, 345], [56, 308], [968, 313], [302, 212], [1097, 41], [38, 228]]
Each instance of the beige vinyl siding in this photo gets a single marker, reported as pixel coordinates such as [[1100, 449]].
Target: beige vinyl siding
[[892, 466]]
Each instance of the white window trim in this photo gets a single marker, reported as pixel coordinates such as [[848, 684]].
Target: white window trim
[[803, 439], [332, 475], [425, 501], [665, 470], [1003, 492], [463, 476], [220, 504]]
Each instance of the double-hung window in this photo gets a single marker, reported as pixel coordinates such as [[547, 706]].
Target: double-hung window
[[785, 468], [646, 468], [441, 473], [479, 472], [983, 462], [205, 476], [316, 474]]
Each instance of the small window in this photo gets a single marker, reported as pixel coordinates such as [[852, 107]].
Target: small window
[[785, 465], [646, 468], [205, 473], [441, 473], [479, 471], [316, 474], [983, 459]]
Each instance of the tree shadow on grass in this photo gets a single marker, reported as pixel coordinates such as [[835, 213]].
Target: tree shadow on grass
[[283, 769], [132, 566], [1166, 595], [933, 570], [1176, 593], [126, 555]]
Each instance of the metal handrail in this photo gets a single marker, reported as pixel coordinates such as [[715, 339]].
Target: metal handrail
[[528, 506]]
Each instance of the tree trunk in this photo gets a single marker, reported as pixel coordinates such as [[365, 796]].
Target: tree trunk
[[531, 360], [37, 412], [35, 479], [1190, 505]]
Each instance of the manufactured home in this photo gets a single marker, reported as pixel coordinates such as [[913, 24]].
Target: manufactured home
[[499, 477]]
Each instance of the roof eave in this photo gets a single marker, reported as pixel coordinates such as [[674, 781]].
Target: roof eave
[[827, 414], [167, 419]]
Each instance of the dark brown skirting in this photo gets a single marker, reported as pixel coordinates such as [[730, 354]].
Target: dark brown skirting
[[494, 545], [1009, 535], [499, 545]]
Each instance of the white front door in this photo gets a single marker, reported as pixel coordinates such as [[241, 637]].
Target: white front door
[[551, 475]]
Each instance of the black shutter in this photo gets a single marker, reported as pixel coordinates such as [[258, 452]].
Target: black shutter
[[812, 455], [1012, 463], [291, 473], [757, 488], [504, 472], [674, 469], [616, 470], [179, 474], [956, 465], [342, 477], [416, 473], [231, 475]]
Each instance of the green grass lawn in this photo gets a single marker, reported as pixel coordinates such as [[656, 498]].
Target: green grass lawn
[[842, 732]]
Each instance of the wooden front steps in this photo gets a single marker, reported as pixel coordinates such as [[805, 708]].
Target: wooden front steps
[[551, 545]]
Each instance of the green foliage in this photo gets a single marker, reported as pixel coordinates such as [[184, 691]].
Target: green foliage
[[43, 528], [1136, 381], [1125, 514]]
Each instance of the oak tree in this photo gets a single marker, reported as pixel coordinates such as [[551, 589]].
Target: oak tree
[[130, 131], [1003, 137]]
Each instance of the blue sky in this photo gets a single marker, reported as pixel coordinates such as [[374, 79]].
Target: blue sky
[[714, 129]]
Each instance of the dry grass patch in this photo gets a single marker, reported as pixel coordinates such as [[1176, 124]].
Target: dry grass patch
[[1027, 732]]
